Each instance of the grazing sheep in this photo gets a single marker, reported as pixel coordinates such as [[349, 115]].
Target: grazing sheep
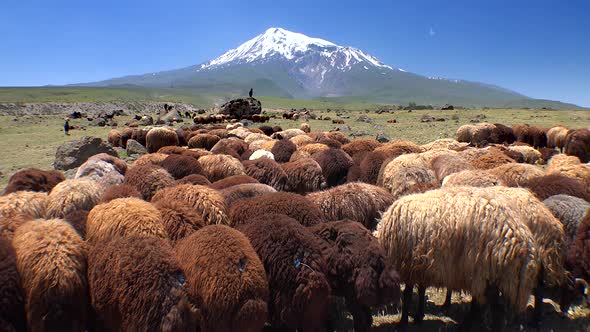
[[355, 201], [239, 132], [203, 141], [71, 195], [259, 144], [515, 174], [360, 147], [195, 153], [502, 134], [373, 161], [226, 279], [447, 164], [313, 148], [230, 146], [150, 158], [148, 179], [160, 137], [553, 184], [357, 269], [303, 176], [282, 150], [492, 157], [232, 181], [332, 143], [292, 258], [530, 155], [206, 201], [51, 262], [580, 172], [9, 224], [180, 166], [242, 191], [472, 178], [194, 179], [220, 132], [444, 143], [483, 246], [577, 143], [556, 137], [335, 164], [154, 296], [218, 166], [464, 133], [402, 175], [560, 160], [261, 154], [266, 171], [179, 220], [123, 217], [546, 154], [404, 146], [293, 205], [570, 211], [24, 203], [578, 259], [338, 136], [114, 137], [12, 306], [299, 154], [33, 179], [126, 135], [300, 140], [169, 150], [119, 191], [287, 134], [140, 135], [256, 137], [78, 220], [305, 127], [267, 130]]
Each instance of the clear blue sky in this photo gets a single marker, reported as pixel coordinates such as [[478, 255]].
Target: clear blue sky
[[540, 48]]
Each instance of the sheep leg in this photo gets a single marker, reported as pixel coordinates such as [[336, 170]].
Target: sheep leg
[[419, 317], [447, 304], [538, 311], [474, 315], [407, 300], [361, 315], [497, 310]]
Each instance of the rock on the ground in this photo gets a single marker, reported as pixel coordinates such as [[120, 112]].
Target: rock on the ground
[[382, 137], [241, 106], [364, 118], [134, 147], [74, 153]]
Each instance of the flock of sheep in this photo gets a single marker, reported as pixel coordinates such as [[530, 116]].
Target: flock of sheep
[[227, 228]]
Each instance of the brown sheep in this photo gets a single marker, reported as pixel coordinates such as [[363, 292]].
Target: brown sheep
[[282, 150], [580, 172], [12, 306], [515, 175], [194, 179], [533, 135], [493, 157], [472, 178], [195, 153], [150, 158], [578, 257], [232, 181], [301, 140], [577, 143], [267, 130], [179, 220], [266, 171], [9, 224], [292, 258], [303, 176], [203, 141], [357, 149], [77, 219], [231, 146], [114, 137], [32, 179], [148, 179], [313, 148], [445, 143], [447, 164], [123, 217], [226, 279], [357, 201], [218, 166], [139, 135], [357, 269], [338, 136], [154, 296], [560, 160], [51, 261], [169, 150], [119, 191], [404, 146], [335, 164], [71, 195], [24, 203], [180, 166], [159, 137], [407, 174], [299, 154], [206, 201], [293, 205], [126, 135], [553, 184], [243, 191], [556, 137], [373, 161]]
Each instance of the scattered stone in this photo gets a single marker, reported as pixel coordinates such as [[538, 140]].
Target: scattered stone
[[448, 107], [241, 106], [74, 153], [382, 137], [134, 147], [343, 128], [364, 118], [98, 122], [392, 121], [246, 122]]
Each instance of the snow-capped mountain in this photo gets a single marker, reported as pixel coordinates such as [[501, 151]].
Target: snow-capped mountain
[[281, 63]]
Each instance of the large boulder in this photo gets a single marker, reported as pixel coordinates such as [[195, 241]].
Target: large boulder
[[171, 116], [135, 148], [74, 153], [242, 106]]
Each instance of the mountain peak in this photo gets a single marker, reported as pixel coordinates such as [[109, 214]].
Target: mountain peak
[[279, 43]]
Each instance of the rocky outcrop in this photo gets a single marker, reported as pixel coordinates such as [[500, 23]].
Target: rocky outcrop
[[74, 153], [241, 106]]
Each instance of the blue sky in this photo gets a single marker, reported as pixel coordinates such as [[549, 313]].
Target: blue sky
[[540, 48]]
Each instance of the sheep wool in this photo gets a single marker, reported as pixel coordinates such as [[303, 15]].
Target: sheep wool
[[516, 174], [32, 179], [159, 137], [218, 166], [570, 211], [12, 306], [24, 203], [303, 176], [71, 195]]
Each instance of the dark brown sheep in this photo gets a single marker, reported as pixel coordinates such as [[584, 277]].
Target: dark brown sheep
[[533, 135], [292, 258], [136, 285], [447, 164], [267, 130], [338, 136], [502, 134], [194, 179], [178, 219], [228, 145], [180, 166], [226, 279], [493, 157], [32, 179], [159, 137], [139, 135], [361, 202], [126, 135], [219, 166], [203, 141], [578, 260], [148, 179], [357, 149], [12, 306], [553, 184], [195, 153], [232, 181], [293, 205], [10, 223], [577, 143], [266, 171], [303, 176], [335, 164], [357, 269], [282, 150], [119, 191], [243, 191], [171, 150], [78, 220], [372, 162]]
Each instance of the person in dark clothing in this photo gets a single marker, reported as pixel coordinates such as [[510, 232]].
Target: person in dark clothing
[[67, 127], [250, 93]]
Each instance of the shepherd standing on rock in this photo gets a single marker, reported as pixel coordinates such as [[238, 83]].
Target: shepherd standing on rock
[[67, 127], [251, 92]]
